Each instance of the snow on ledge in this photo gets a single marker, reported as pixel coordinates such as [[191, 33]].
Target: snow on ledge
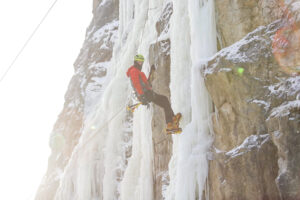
[[250, 143], [284, 109]]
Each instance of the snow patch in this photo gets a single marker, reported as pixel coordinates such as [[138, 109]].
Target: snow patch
[[246, 50], [225, 70], [263, 103], [237, 52], [250, 143], [295, 6], [289, 87], [99, 65], [284, 109], [218, 150], [277, 134], [110, 29], [96, 85]]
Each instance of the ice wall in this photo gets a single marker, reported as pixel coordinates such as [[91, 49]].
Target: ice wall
[[125, 156], [100, 166], [193, 41], [97, 166]]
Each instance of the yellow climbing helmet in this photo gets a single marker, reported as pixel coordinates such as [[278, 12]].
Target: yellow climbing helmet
[[139, 57]]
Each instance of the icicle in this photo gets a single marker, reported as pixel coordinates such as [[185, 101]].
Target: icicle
[[99, 170], [189, 166]]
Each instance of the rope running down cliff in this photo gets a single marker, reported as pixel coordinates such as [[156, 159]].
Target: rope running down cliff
[[106, 124], [28, 40]]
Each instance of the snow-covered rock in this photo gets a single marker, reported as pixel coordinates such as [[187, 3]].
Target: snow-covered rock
[[256, 122]]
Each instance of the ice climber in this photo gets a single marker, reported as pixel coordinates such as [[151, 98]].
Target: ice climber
[[145, 94]]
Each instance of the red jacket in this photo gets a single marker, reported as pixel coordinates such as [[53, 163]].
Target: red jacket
[[138, 80]]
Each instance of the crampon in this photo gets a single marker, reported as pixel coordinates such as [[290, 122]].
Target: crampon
[[173, 127], [133, 107]]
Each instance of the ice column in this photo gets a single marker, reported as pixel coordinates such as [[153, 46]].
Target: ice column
[[189, 166]]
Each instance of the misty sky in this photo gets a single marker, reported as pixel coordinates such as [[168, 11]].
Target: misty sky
[[32, 94]]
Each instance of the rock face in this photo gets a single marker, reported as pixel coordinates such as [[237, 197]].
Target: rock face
[[85, 86], [162, 144], [256, 122], [237, 18], [284, 126]]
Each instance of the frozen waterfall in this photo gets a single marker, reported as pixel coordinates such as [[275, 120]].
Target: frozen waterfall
[[188, 166], [99, 167]]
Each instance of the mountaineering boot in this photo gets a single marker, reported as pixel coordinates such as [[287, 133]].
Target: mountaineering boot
[[173, 127], [176, 119]]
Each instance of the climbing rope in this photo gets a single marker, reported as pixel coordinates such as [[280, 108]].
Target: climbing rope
[[105, 124], [27, 41]]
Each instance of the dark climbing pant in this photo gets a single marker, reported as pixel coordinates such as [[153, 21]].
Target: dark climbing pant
[[161, 101]]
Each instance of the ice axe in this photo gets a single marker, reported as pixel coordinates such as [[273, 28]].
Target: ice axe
[[133, 107]]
